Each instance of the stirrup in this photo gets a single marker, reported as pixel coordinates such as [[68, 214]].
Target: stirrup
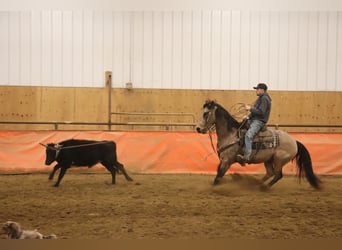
[[242, 160]]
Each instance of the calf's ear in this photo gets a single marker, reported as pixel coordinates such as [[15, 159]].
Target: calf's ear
[[44, 145]]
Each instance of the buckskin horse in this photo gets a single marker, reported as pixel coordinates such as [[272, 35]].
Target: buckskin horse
[[274, 148]]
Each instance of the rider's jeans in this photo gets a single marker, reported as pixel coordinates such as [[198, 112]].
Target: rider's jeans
[[254, 127]]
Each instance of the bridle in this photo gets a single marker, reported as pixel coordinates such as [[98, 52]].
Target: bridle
[[210, 127]]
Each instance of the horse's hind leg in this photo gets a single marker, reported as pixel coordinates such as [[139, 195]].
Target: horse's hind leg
[[269, 170], [277, 176]]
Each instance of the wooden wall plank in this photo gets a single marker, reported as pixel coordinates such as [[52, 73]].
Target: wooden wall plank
[[91, 105]]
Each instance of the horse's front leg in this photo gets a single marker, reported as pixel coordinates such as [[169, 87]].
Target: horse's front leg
[[221, 170]]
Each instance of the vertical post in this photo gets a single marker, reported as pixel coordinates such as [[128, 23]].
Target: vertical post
[[109, 87]]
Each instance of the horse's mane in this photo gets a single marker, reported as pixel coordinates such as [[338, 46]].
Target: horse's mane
[[221, 111]]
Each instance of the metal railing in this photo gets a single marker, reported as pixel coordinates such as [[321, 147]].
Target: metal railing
[[156, 114]]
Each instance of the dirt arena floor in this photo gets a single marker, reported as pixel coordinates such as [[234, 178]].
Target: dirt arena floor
[[172, 206]]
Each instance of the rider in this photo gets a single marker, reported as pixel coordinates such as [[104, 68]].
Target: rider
[[259, 114]]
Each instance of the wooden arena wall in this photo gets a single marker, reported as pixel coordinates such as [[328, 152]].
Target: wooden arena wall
[[63, 104]]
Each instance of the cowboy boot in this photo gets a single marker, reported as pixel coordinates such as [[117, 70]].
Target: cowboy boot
[[242, 159]]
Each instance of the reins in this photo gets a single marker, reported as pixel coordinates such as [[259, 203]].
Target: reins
[[211, 138], [222, 149]]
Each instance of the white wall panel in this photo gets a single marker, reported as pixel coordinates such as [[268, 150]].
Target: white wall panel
[[137, 48], [46, 36], [312, 48], [293, 51], [216, 43], [167, 62], [245, 51], [67, 48], [88, 48], [127, 34], [264, 47], [148, 50], [77, 48], [322, 49], [255, 36], [196, 49], [206, 50], [226, 49], [118, 51], [36, 57], [57, 48], [274, 37], [157, 57], [193, 49], [283, 52], [339, 52], [13, 63], [98, 48], [177, 50], [302, 73], [235, 52], [25, 48], [4, 48], [331, 51], [107, 40]]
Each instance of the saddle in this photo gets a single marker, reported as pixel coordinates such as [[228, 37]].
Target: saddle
[[265, 139]]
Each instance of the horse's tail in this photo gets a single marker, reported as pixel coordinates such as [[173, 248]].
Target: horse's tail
[[304, 165]]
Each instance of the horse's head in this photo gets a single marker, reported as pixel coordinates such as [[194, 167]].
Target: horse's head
[[208, 117]]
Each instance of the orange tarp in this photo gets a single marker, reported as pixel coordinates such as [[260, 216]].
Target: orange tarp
[[158, 152]]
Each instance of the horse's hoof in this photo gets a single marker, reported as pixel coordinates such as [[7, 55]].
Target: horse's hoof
[[216, 182], [264, 188]]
